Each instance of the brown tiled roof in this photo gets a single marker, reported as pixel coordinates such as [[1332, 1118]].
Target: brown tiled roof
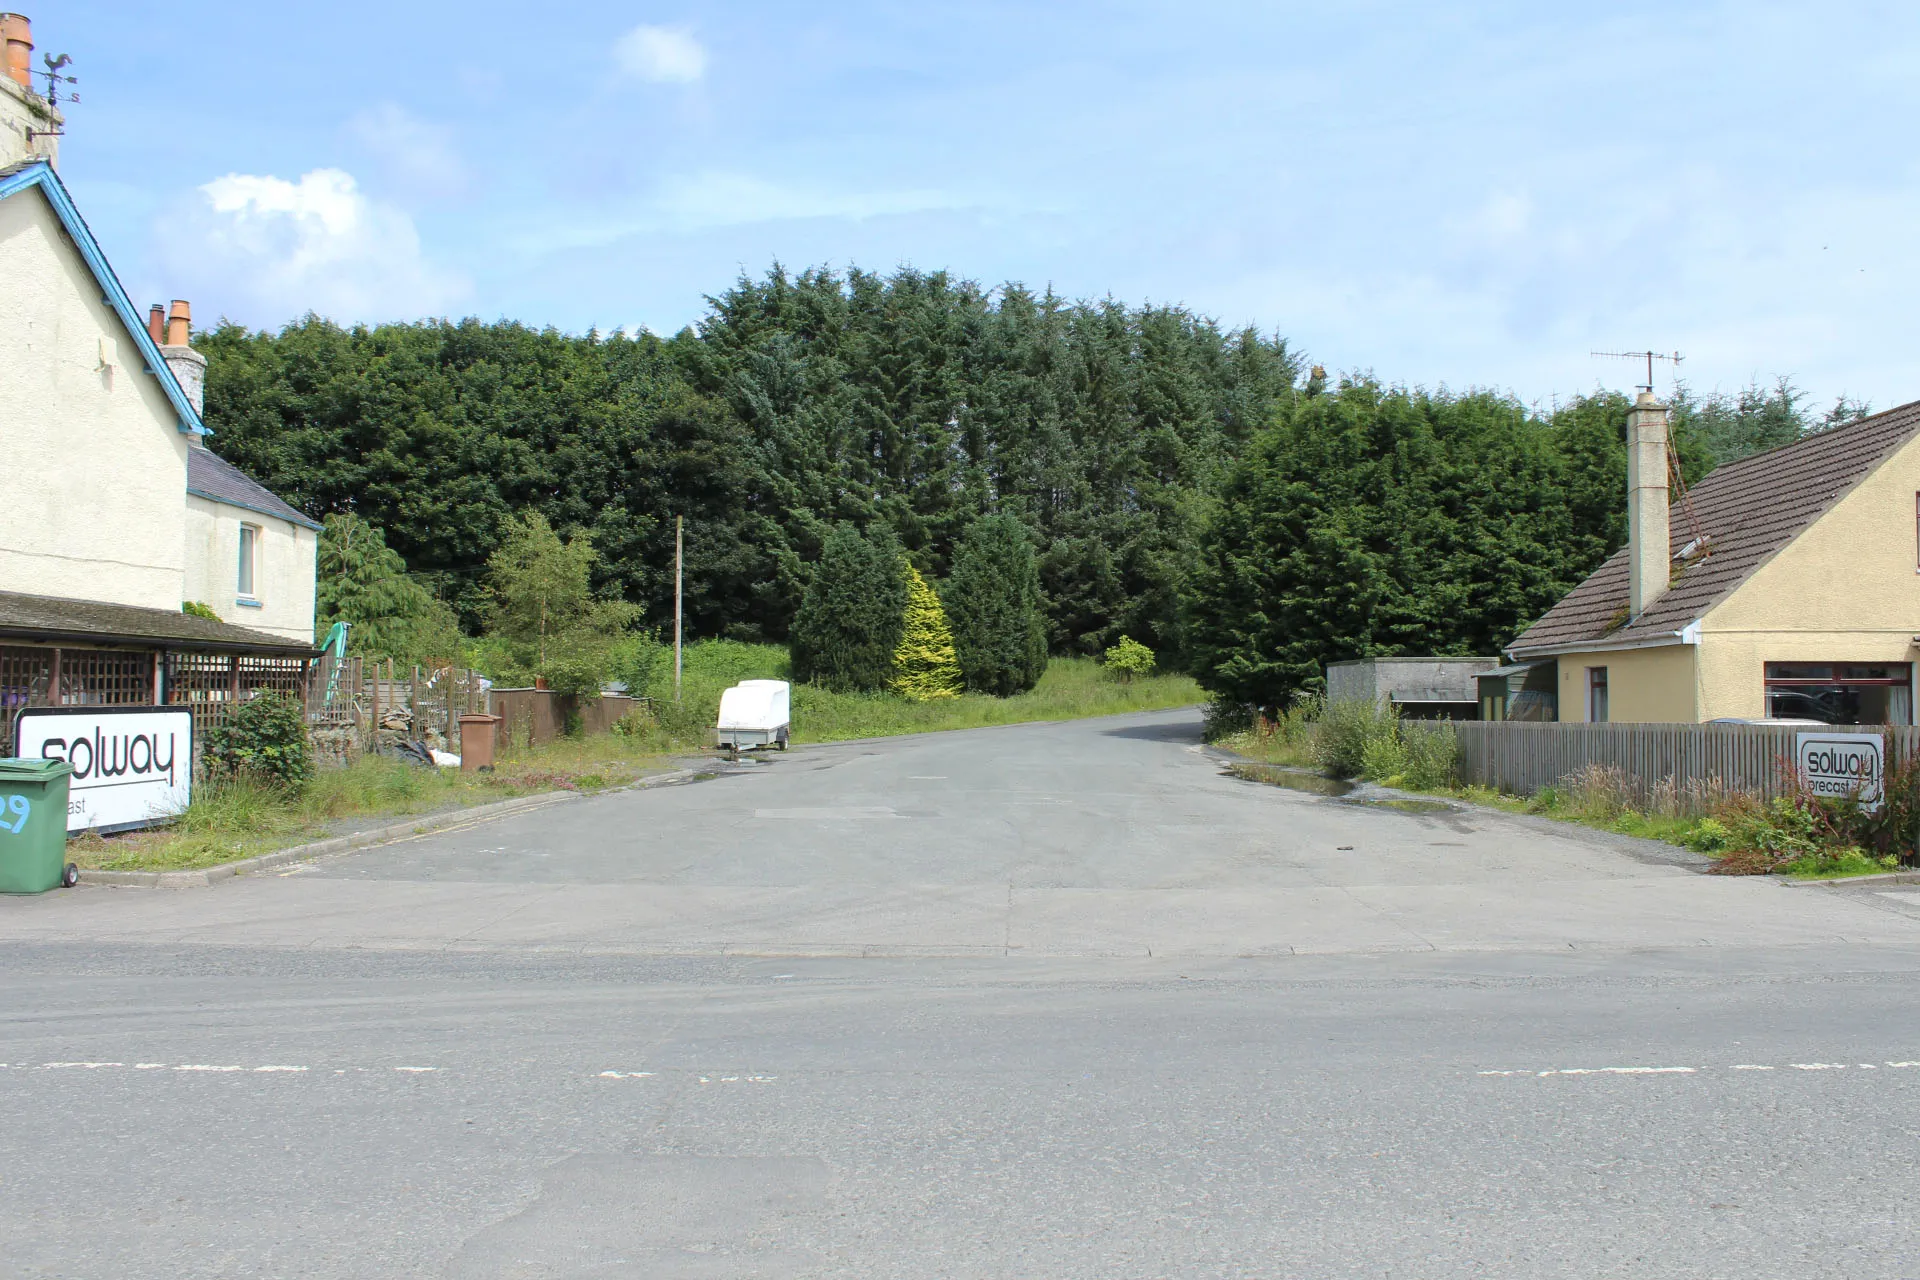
[[52, 619], [1748, 510]]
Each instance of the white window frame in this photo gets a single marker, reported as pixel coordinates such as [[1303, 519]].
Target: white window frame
[[247, 564]]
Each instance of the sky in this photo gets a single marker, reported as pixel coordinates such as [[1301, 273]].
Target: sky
[[1458, 195]]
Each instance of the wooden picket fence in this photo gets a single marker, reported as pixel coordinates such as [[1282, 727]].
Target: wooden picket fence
[[1686, 765]]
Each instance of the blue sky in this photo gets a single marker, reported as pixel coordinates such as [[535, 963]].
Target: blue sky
[[1440, 193]]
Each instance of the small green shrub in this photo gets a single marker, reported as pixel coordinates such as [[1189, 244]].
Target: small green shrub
[[1830, 863], [263, 739], [194, 609], [1345, 728], [1223, 718], [1709, 835], [1383, 758], [1432, 756], [1128, 658], [1545, 800]]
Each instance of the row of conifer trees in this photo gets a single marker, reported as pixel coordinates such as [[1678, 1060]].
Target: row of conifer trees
[[870, 621]]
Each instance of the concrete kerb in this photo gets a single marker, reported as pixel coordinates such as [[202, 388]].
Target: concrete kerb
[[200, 877]]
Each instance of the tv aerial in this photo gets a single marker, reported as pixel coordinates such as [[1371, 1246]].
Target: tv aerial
[[1674, 358]]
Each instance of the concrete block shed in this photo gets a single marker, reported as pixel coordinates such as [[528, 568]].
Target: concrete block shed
[[1419, 688]]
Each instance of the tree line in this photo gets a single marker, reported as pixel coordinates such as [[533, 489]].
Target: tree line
[[1167, 479]]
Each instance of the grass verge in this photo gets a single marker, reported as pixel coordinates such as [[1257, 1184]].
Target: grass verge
[[231, 820]]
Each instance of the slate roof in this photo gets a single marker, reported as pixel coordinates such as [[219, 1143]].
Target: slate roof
[[211, 476], [1749, 510], [54, 619]]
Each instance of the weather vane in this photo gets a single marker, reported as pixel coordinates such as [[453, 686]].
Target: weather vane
[[1649, 356], [54, 81]]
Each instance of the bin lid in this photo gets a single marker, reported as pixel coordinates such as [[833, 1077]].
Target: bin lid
[[30, 770]]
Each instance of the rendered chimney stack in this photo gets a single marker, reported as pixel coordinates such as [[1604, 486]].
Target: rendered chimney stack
[[189, 366], [18, 34], [1649, 551], [29, 125]]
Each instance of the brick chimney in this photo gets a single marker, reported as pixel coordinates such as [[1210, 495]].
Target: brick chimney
[[1649, 553], [27, 122], [189, 366]]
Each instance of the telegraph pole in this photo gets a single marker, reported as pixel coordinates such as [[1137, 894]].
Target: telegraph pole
[[679, 562]]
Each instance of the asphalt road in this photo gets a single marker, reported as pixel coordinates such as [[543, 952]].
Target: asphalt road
[[1042, 1002]]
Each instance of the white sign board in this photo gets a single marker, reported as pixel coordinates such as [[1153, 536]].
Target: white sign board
[[132, 766], [1839, 765]]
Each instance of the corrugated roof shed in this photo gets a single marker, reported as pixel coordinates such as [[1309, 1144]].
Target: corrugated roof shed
[[1748, 511]]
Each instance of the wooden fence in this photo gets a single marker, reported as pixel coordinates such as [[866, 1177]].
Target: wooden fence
[[1684, 765], [530, 717]]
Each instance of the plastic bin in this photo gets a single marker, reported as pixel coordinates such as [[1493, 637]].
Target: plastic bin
[[33, 826]]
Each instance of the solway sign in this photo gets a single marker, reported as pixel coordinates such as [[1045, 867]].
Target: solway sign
[[132, 766], [1839, 765]]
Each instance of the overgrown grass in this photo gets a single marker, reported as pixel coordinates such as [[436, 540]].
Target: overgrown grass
[[240, 818], [1071, 689]]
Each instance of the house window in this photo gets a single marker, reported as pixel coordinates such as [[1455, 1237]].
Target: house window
[[1841, 692], [1597, 695], [249, 558]]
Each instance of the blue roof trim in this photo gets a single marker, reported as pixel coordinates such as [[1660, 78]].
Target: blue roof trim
[[40, 174]]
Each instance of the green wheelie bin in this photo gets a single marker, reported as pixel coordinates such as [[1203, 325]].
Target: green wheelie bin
[[33, 826]]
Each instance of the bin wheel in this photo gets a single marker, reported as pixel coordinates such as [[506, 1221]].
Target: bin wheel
[[70, 877], [781, 745]]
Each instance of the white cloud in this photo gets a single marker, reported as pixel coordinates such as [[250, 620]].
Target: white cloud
[[267, 250], [664, 55], [415, 154]]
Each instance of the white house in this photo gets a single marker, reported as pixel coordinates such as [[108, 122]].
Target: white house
[[111, 514]]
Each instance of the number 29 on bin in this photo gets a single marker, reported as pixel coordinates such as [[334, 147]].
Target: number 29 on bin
[[20, 807]]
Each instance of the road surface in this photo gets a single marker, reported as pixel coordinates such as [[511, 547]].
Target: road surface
[[1047, 1001]]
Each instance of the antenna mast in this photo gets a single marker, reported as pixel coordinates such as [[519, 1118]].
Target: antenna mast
[[1674, 358]]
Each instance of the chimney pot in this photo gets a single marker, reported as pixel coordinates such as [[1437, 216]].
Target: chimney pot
[[179, 323], [17, 32], [157, 324]]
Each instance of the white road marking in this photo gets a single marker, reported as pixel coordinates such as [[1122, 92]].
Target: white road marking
[[416, 1069], [205, 1067], [90, 1066], [628, 1075], [1664, 1071]]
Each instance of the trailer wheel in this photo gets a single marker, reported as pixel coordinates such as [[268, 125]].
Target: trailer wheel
[[70, 876]]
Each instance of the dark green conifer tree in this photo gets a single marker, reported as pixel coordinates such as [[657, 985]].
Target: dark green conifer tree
[[995, 608], [853, 612]]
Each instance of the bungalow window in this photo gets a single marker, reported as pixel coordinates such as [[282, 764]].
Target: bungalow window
[[249, 558], [1597, 695], [1841, 692]]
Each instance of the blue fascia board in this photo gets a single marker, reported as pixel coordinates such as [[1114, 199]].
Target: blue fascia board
[[41, 175]]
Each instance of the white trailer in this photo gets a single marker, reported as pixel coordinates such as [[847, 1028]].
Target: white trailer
[[754, 713]]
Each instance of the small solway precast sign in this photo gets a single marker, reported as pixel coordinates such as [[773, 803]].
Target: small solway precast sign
[[132, 766], [1842, 765]]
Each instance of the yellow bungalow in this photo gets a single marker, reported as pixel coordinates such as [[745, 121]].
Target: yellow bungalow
[[1785, 586]]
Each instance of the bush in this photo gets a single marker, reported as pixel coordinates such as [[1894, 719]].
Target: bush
[[1344, 730], [850, 620], [1598, 793], [1224, 717], [994, 606], [924, 667], [1383, 758], [1129, 658], [264, 740], [1432, 756], [194, 609]]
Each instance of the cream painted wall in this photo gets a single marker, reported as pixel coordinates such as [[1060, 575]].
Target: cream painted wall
[[1846, 590], [92, 491], [1643, 685], [283, 576]]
